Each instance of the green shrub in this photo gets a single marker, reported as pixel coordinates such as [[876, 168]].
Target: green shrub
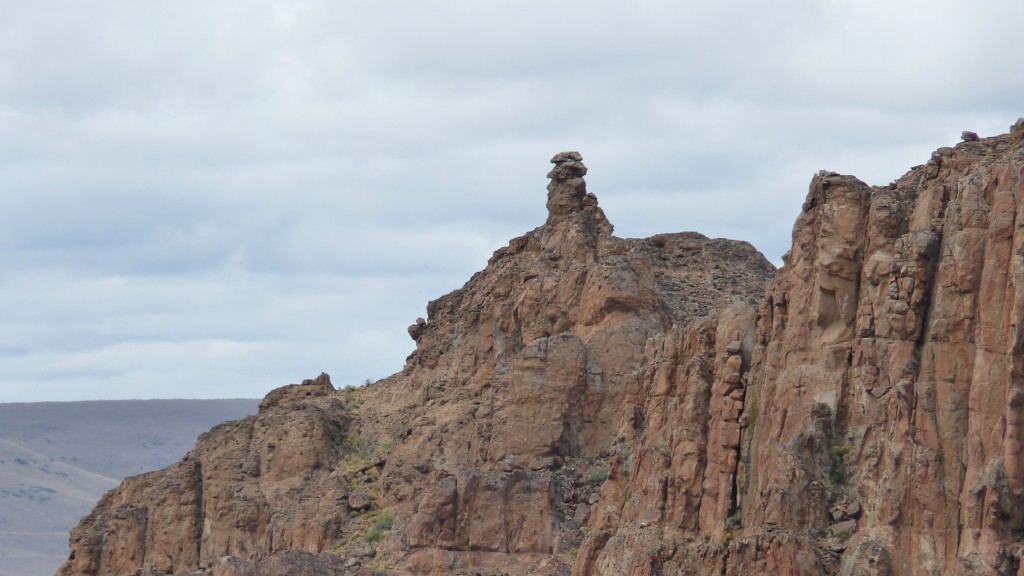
[[380, 527], [597, 475], [356, 453], [839, 475], [385, 522]]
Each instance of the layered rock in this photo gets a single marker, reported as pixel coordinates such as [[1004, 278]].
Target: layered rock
[[486, 452], [598, 405], [512, 405], [882, 406], [891, 366], [249, 487]]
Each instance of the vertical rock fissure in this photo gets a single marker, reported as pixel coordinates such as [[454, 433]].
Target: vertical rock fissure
[[959, 507], [145, 538], [517, 332], [201, 512], [99, 555], [733, 507], [924, 334]]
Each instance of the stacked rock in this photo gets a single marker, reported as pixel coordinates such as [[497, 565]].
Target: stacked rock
[[567, 192]]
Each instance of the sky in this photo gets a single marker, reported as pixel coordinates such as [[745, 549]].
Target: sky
[[211, 199]]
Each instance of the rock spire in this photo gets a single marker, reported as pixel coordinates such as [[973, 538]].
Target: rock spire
[[573, 213], [567, 191], [487, 453]]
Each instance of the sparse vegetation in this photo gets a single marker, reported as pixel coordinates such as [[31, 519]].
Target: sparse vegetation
[[839, 474], [357, 453], [733, 521], [380, 528], [597, 475], [353, 397]]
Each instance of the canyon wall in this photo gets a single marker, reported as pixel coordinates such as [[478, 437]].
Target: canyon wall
[[589, 404]]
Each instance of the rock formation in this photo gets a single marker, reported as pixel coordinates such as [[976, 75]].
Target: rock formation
[[595, 405]]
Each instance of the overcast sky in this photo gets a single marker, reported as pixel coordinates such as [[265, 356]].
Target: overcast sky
[[210, 199]]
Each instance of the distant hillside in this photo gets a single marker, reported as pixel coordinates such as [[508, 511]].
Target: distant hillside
[[58, 458]]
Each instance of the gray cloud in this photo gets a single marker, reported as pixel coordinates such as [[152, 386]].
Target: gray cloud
[[209, 199]]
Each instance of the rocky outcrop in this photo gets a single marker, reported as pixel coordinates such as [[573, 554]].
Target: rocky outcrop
[[510, 410], [595, 405], [891, 367], [248, 488], [879, 427], [486, 452]]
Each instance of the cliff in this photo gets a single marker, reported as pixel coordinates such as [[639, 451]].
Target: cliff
[[595, 405]]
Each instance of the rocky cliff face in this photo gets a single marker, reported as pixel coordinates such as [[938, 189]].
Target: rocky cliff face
[[595, 405]]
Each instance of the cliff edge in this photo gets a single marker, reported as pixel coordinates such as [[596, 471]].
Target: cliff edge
[[589, 404]]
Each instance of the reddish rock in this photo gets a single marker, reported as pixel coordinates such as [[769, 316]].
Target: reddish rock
[[299, 563], [636, 407], [232, 566], [512, 400], [358, 500]]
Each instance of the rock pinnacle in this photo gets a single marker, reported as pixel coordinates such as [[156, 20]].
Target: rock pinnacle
[[567, 192], [575, 222]]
